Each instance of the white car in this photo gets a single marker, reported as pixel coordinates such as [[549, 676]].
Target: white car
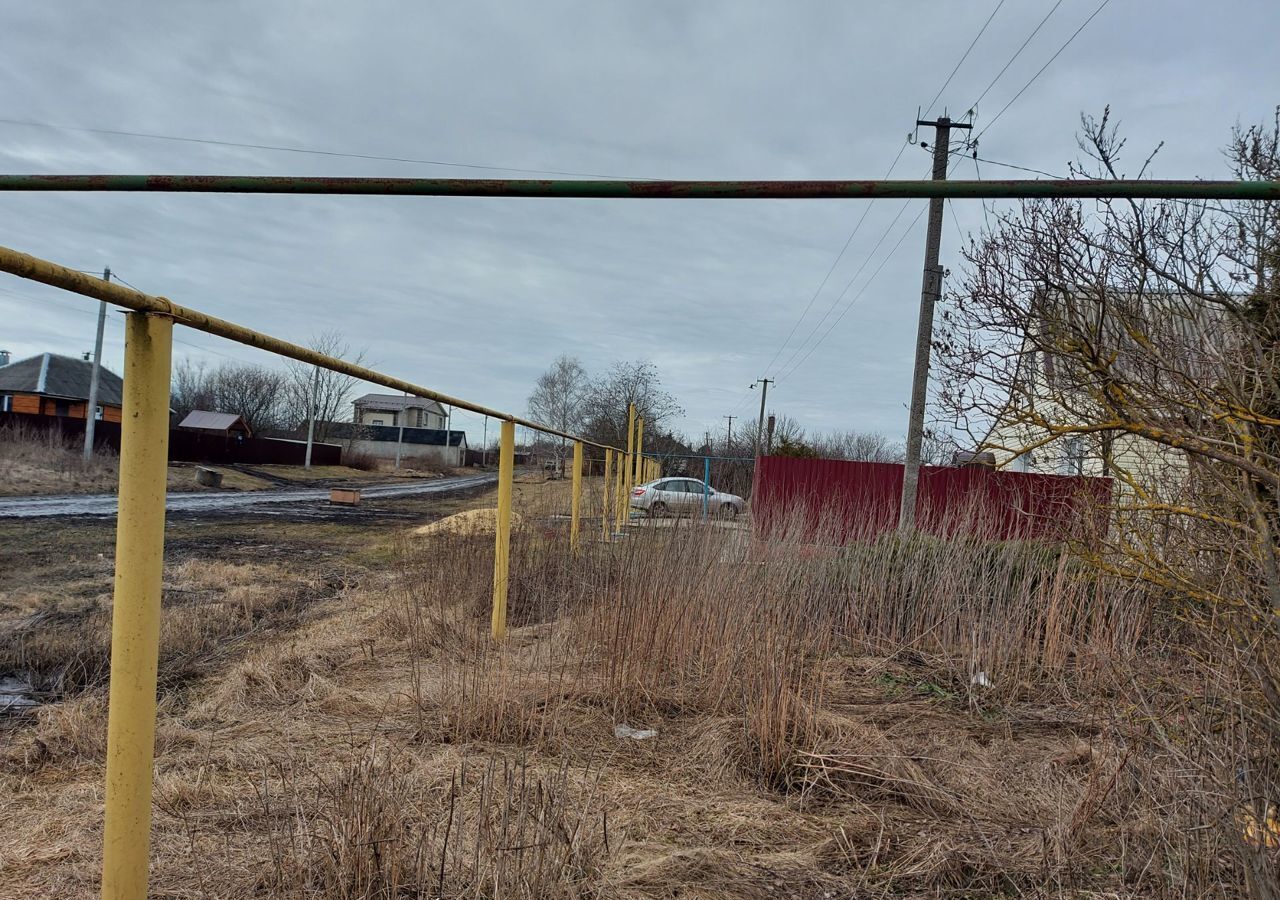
[[684, 496]]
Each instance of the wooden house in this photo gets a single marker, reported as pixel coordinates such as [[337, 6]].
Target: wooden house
[[53, 385]]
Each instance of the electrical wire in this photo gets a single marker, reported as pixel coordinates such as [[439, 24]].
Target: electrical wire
[[968, 50], [866, 211], [853, 300], [856, 296], [992, 162], [1075, 34], [1016, 54], [115, 132], [830, 271]]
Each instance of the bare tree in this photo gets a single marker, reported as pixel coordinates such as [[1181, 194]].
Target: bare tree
[[1139, 340], [255, 393], [191, 389], [558, 399], [322, 394], [607, 399], [864, 446]]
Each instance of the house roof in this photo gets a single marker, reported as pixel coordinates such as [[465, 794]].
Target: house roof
[[396, 401], [61, 376], [213, 421]]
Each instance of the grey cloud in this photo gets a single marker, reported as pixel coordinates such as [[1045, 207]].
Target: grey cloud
[[475, 297]]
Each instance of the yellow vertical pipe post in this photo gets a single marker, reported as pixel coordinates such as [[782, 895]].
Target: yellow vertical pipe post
[[135, 612], [631, 442], [605, 487], [639, 476], [502, 531], [620, 498], [575, 505], [628, 469]]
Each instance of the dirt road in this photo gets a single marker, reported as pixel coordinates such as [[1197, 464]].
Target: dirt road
[[287, 500]]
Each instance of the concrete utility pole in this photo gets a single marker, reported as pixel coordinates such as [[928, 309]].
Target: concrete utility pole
[[764, 392], [929, 294], [728, 440], [311, 415], [91, 409]]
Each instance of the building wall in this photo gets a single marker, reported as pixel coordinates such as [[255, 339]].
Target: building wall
[[1156, 468], [413, 418], [34, 404], [434, 453]]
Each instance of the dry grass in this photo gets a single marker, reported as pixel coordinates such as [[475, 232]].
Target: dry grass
[[819, 732], [36, 461]]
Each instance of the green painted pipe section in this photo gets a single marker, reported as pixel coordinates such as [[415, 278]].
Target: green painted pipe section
[[704, 190]]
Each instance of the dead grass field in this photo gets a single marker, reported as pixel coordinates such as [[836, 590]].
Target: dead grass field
[[45, 463], [821, 729]]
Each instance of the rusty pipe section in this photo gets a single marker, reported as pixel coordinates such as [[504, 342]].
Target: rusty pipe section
[[996, 189], [31, 267]]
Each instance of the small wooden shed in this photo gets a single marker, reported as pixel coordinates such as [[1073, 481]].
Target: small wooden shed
[[225, 424]]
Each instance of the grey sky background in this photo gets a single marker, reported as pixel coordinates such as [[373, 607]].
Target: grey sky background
[[475, 297]]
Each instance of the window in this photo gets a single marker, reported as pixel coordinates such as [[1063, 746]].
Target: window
[[377, 422], [1072, 462]]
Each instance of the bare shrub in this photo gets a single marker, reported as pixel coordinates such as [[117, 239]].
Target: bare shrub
[[382, 826], [360, 459]]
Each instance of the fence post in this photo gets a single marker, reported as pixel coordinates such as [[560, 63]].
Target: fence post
[[604, 494], [502, 531], [706, 483], [575, 506], [135, 614]]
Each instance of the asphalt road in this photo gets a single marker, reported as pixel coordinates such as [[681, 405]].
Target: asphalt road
[[281, 501]]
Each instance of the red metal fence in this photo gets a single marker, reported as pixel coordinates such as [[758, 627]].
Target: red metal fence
[[842, 501]]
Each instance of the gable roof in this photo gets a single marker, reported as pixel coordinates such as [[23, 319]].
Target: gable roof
[[396, 401], [61, 376], [213, 421]]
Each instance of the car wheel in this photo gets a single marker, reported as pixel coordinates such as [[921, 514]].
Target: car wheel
[[657, 510], [728, 511]]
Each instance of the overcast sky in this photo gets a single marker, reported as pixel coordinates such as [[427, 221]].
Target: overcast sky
[[475, 297]]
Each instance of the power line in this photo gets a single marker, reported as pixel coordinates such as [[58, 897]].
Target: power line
[[865, 285], [992, 162], [836, 262], [115, 132], [867, 210], [884, 261], [981, 32], [1101, 6], [1016, 54], [836, 302], [856, 296]]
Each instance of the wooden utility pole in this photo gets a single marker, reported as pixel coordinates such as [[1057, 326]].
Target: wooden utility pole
[[929, 294]]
